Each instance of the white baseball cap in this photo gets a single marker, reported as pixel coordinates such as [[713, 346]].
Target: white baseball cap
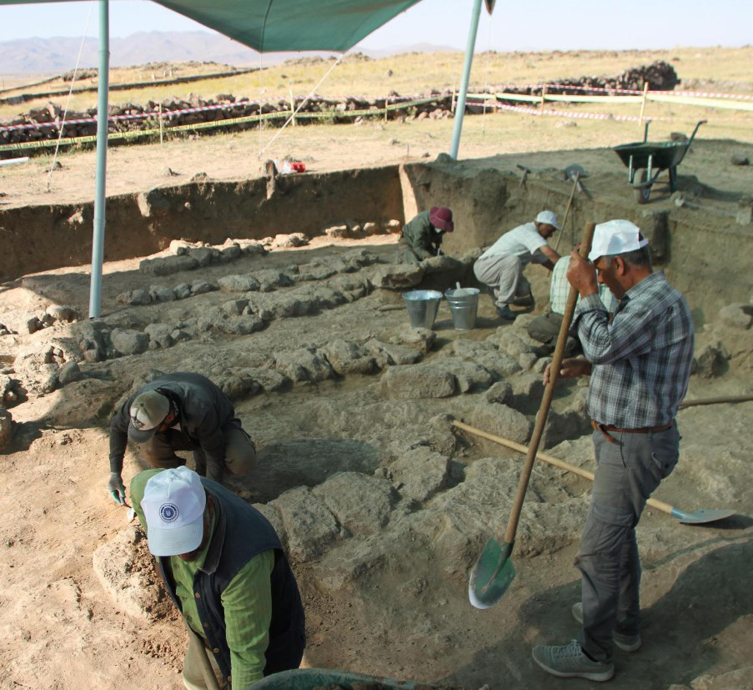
[[173, 506], [616, 237], [550, 218]]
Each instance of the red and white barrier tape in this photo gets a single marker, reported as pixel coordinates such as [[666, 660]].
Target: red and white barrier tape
[[638, 92], [581, 116]]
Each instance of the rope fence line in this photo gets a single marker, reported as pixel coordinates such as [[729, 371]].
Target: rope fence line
[[279, 115], [284, 114]]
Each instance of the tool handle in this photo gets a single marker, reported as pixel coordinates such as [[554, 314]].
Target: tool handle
[[653, 502], [567, 211], [716, 401], [210, 680], [538, 429]]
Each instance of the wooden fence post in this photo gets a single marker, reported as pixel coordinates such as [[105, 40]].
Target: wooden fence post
[[452, 106], [543, 97], [643, 105]]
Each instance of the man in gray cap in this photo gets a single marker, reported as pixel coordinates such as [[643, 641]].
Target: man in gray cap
[[181, 411], [501, 266], [639, 363]]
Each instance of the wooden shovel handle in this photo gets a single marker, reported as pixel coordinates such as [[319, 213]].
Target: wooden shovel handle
[[654, 503], [546, 401], [716, 401]]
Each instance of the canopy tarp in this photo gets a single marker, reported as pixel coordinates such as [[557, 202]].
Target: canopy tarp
[[280, 25]]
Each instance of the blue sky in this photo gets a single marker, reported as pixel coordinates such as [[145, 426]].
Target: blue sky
[[515, 25]]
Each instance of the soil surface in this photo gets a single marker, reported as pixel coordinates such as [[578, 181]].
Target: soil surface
[[382, 506], [349, 435]]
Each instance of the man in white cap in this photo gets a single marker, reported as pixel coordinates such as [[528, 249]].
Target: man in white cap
[[639, 363], [501, 266], [181, 411], [223, 566]]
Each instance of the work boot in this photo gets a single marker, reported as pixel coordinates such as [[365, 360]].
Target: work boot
[[627, 643], [506, 313], [524, 300], [570, 661]]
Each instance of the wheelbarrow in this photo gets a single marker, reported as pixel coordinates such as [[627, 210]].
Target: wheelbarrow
[[646, 160]]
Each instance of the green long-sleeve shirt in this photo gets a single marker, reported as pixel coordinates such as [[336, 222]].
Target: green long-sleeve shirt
[[247, 600], [422, 236]]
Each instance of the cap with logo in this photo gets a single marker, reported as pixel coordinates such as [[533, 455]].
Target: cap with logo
[[616, 237], [550, 218], [148, 411], [173, 505]]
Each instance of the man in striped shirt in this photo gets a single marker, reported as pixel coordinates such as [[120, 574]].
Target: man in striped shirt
[[639, 363]]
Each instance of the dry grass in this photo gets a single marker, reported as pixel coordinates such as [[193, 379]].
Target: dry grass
[[420, 73]]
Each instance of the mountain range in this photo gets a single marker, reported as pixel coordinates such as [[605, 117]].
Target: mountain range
[[55, 55]]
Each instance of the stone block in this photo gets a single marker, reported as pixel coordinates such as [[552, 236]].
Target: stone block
[[69, 372], [167, 265], [500, 420], [128, 342], [500, 393], [737, 315], [238, 283], [420, 473], [349, 358], [361, 503], [6, 429], [305, 364], [418, 381], [309, 524]]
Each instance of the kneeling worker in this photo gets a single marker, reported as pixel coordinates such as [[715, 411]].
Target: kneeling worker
[[224, 568], [422, 237], [501, 266], [181, 411], [546, 327]]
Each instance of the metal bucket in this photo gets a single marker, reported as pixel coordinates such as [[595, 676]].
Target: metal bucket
[[463, 306], [422, 306]]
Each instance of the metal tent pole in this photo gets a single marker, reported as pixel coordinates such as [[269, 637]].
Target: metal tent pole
[[460, 107], [98, 239]]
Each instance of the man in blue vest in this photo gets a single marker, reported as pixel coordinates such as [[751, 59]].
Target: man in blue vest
[[224, 568]]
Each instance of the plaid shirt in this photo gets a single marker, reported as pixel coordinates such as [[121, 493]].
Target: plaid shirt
[[560, 289], [642, 358]]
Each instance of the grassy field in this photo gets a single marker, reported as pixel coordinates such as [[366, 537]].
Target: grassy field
[[724, 69]]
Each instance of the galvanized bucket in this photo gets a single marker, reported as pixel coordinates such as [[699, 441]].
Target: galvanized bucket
[[463, 306], [422, 306]]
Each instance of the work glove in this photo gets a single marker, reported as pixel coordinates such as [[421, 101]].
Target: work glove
[[116, 488]]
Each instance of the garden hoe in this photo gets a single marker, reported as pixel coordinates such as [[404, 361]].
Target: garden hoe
[[494, 570]]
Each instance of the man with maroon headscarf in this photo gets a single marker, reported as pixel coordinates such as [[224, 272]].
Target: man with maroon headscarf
[[422, 237]]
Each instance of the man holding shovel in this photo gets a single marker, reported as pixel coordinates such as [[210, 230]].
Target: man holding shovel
[[639, 365]]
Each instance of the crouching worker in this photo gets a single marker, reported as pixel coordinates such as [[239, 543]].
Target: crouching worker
[[422, 237], [181, 411], [224, 568]]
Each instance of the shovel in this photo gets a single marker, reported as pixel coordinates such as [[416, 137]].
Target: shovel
[[697, 517], [494, 570]]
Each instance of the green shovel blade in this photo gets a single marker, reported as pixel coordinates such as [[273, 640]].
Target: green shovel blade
[[492, 575]]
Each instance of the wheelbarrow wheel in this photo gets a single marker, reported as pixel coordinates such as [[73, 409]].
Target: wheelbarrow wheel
[[642, 194]]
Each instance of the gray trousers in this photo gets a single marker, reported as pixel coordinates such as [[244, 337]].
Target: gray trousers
[[240, 453], [628, 472], [546, 329], [505, 275]]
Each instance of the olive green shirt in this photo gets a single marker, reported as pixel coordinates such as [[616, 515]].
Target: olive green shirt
[[247, 600], [422, 237]]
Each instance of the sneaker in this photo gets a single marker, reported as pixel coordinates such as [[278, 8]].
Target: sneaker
[[570, 661], [506, 313], [627, 643]]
